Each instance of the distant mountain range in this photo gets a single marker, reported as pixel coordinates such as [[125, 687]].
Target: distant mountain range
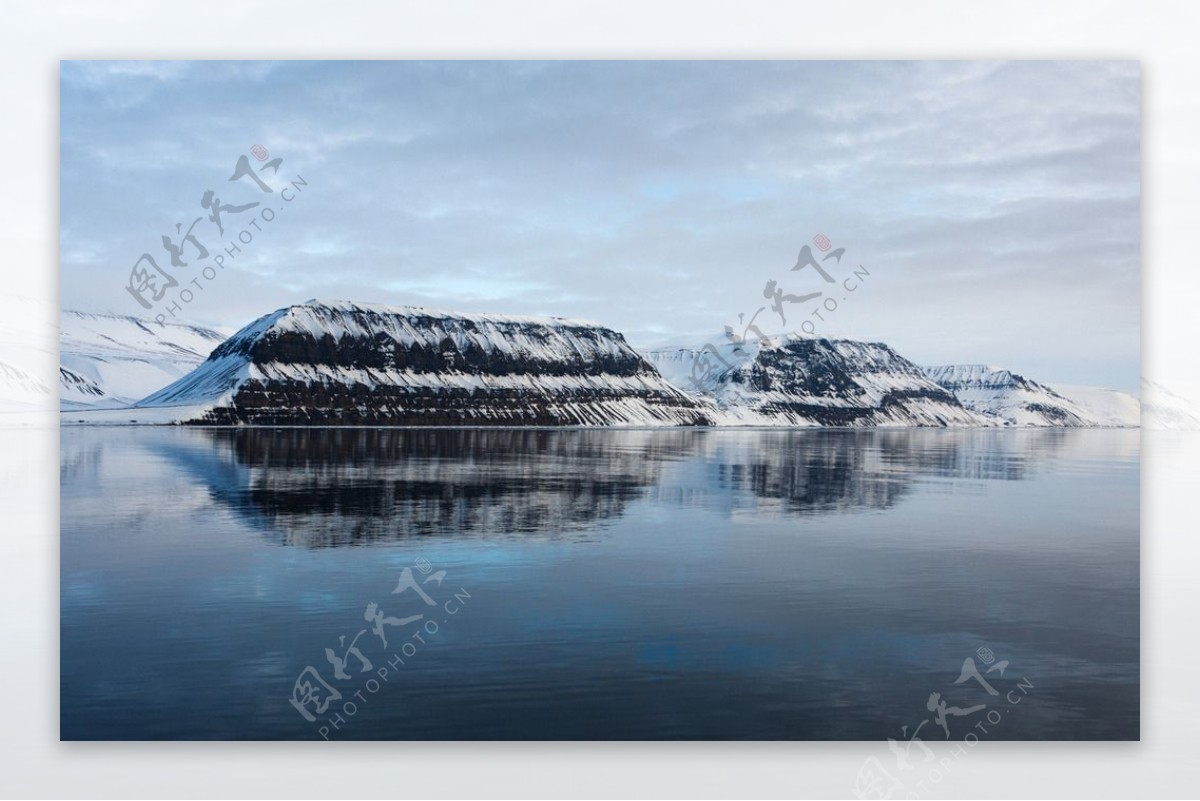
[[343, 363]]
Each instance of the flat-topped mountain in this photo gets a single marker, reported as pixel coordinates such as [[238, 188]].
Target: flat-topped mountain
[[798, 380], [342, 363]]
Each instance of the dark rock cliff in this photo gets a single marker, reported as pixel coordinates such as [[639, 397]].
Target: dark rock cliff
[[352, 364]]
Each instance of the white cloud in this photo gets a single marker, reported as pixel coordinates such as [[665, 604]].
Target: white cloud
[[656, 197]]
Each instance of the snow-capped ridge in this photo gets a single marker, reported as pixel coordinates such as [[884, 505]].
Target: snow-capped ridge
[[432, 312], [795, 380], [347, 363], [339, 363]]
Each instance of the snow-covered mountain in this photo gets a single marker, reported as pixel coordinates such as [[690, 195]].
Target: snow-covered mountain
[[794, 380], [20, 387], [1164, 409], [110, 361], [343, 363], [1104, 407], [1016, 400], [27, 359]]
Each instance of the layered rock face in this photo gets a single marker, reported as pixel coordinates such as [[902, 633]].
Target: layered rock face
[[795, 380], [342, 363]]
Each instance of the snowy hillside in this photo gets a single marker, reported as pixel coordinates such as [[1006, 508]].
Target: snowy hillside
[[26, 360], [112, 360], [19, 387], [795, 380], [1017, 400], [342, 363], [1104, 407], [1164, 409]]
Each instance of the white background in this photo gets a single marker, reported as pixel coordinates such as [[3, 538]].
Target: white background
[[34, 36]]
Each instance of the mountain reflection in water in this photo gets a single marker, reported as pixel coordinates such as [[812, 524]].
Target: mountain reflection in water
[[331, 487], [626, 584]]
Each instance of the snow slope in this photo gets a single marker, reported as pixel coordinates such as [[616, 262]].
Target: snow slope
[[112, 360], [1164, 409], [1104, 407], [26, 360]]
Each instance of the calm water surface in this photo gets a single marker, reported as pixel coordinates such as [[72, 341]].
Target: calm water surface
[[604, 584]]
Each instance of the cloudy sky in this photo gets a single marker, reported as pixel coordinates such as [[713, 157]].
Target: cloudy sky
[[993, 206]]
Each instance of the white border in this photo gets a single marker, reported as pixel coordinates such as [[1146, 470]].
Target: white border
[[33, 37]]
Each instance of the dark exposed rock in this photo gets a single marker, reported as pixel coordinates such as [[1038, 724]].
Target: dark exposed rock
[[795, 380], [349, 364]]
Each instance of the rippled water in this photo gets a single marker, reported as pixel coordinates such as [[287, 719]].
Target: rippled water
[[606, 584]]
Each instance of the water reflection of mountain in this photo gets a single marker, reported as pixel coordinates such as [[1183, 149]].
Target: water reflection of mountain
[[823, 471], [325, 487], [331, 487]]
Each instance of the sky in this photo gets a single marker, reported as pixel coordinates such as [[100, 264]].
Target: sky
[[989, 212]]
